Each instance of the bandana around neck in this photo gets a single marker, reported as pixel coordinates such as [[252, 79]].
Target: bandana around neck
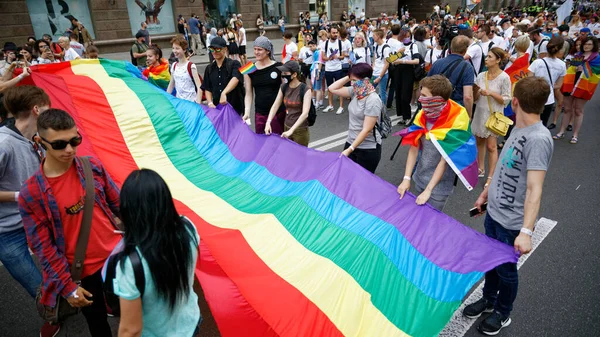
[[362, 88], [432, 107]]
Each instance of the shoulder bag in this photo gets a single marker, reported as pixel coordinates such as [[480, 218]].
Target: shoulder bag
[[497, 123], [63, 309]]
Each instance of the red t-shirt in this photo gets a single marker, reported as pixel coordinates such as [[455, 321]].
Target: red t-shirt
[[70, 197]]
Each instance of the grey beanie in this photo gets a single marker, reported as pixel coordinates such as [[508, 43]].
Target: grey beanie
[[264, 43]]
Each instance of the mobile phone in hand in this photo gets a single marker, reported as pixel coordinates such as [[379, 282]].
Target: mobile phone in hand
[[475, 212]]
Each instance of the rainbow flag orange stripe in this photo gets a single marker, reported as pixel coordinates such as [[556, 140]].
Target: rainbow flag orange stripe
[[159, 75], [289, 246], [451, 135], [249, 68], [586, 85]]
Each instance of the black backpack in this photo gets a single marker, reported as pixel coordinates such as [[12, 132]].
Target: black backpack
[[133, 59], [312, 113], [112, 299]]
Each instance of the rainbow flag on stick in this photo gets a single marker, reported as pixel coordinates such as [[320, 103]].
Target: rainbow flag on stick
[[249, 68], [290, 245], [451, 135]]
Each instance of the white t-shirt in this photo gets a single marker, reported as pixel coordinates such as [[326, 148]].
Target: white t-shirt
[[289, 49], [184, 85], [595, 28], [476, 53], [321, 45], [394, 44], [381, 53], [362, 55], [306, 55], [71, 54], [541, 47], [557, 68], [409, 51], [574, 29], [499, 42], [347, 47], [242, 34], [433, 55], [486, 47], [530, 50], [431, 42], [352, 31], [333, 47], [78, 47], [508, 32]]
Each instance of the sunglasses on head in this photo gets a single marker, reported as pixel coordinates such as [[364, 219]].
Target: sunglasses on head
[[62, 144], [215, 50]]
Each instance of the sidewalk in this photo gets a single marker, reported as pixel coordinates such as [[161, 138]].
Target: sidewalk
[[201, 59]]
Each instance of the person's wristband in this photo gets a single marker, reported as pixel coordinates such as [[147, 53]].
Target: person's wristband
[[16, 196], [406, 178], [269, 121], [351, 148], [527, 231], [21, 76]]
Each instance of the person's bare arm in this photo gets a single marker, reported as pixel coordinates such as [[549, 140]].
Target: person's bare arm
[[386, 65], [249, 96], [411, 161], [338, 89], [273, 111], [233, 82], [435, 179], [198, 82], [468, 99], [533, 198], [171, 85], [132, 323], [368, 125], [12, 82], [9, 196]]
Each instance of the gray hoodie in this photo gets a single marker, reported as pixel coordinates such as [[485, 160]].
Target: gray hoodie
[[18, 162]]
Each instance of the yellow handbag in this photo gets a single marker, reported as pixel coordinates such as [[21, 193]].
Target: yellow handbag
[[497, 123]]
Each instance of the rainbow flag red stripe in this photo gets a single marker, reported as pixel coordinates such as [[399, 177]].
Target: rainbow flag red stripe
[[451, 135], [249, 68], [159, 75], [586, 85], [290, 247]]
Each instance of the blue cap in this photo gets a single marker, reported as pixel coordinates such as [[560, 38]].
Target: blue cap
[[585, 30]]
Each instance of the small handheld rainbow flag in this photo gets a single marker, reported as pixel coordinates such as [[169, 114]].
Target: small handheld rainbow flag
[[249, 68]]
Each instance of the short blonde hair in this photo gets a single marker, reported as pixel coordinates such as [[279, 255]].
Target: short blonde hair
[[522, 43]]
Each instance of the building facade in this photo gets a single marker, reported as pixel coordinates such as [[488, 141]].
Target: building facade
[[113, 23]]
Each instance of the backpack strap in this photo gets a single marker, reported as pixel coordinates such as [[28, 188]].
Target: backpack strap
[[86, 221], [284, 88], [549, 74], [138, 271], [450, 67]]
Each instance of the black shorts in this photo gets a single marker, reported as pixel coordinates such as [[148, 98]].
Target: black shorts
[[305, 69], [242, 50], [332, 76]]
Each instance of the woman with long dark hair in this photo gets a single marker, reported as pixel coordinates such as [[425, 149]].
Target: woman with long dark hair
[[167, 244]]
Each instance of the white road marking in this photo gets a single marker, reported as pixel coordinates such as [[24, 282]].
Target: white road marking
[[459, 324], [339, 138], [577, 187]]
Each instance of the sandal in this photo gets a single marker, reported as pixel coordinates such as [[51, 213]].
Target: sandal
[[574, 140], [481, 173], [558, 136], [487, 182]]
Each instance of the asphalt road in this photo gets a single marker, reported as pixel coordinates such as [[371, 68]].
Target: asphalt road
[[559, 290]]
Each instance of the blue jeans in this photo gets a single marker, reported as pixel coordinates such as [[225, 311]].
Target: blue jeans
[[382, 87], [502, 282], [15, 256]]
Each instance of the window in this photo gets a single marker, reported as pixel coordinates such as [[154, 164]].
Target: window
[[218, 12], [273, 10]]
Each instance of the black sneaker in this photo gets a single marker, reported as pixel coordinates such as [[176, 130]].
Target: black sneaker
[[492, 325], [570, 127], [551, 126], [475, 310]]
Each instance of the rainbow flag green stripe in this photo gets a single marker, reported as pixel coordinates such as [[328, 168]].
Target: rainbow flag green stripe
[[362, 273]]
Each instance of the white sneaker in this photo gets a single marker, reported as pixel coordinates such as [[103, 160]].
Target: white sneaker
[[414, 107], [329, 108], [339, 111]]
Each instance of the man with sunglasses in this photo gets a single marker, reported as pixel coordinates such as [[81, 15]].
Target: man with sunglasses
[[223, 81], [51, 203], [19, 159]]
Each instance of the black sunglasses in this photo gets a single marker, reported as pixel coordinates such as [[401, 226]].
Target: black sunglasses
[[62, 144]]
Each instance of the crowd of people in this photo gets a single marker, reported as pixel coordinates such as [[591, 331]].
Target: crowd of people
[[448, 73]]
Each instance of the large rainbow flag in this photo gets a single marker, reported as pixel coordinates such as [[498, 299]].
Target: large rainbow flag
[[451, 136], [295, 242]]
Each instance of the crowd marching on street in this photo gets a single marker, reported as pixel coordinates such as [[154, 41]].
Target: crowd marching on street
[[502, 86]]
